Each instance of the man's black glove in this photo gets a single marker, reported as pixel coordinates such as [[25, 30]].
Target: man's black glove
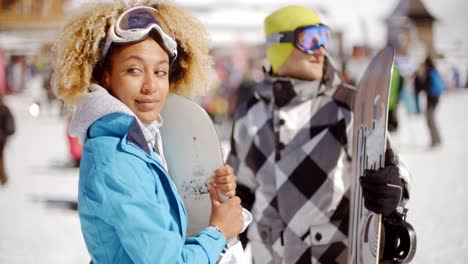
[[382, 189]]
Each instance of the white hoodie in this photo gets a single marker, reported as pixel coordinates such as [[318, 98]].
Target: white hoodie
[[98, 103]]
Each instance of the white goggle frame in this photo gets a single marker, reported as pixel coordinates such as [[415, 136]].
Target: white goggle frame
[[117, 35]]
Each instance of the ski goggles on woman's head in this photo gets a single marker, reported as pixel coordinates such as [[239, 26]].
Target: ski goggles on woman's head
[[307, 39], [134, 25]]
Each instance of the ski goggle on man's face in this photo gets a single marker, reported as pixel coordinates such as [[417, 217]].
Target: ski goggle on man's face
[[134, 25], [308, 38]]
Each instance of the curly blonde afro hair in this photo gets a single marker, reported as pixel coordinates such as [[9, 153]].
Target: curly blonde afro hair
[[78, 49]]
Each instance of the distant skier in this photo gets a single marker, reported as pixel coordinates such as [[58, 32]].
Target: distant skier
[[7, 128], [433, 85], [395, 90]]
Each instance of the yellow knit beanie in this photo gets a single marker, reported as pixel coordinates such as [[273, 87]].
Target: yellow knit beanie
[[286, 19]]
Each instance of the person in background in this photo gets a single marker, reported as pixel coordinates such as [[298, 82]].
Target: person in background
[[74, 146], [418, 82], [290, 149], [395, 90], [116, 65], [456, 78], [7, 128], [434, 86]]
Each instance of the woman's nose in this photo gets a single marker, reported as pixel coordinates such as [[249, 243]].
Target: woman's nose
[[150, 84]]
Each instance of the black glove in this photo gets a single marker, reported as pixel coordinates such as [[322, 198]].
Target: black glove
[[382, 189]]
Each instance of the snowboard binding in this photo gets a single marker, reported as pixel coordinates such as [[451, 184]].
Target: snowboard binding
[[399, 239]]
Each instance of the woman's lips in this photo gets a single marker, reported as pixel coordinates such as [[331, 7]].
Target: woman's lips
[[146, 104]]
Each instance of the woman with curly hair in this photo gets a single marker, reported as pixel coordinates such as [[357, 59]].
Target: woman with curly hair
[[115, 67]]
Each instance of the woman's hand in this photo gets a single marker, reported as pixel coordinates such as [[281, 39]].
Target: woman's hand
[[227, 216], [224, 181]]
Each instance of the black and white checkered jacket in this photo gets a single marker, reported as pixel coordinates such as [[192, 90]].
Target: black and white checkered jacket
[[290, 150]]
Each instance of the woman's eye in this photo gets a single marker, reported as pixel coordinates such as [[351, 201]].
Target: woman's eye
[[133, 70], [160, 73]]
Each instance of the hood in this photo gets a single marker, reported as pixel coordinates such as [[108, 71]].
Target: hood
[[285, 90], [92, 106]]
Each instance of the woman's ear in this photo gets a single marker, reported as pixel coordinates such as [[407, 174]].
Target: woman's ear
[[105, 79]]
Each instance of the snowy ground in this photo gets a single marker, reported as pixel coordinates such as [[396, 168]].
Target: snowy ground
[[38, 223], [438, 209]]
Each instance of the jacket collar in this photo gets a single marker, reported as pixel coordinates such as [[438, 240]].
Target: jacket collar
[[121, 126], [136, 136], [283, 91], [128, 129]]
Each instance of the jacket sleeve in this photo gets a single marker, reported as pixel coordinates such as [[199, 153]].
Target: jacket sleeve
[[125, 197]]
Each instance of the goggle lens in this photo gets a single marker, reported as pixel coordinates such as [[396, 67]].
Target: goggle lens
[[311, 38], [138, 19]]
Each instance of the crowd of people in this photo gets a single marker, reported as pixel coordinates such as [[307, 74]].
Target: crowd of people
[[427, 80]]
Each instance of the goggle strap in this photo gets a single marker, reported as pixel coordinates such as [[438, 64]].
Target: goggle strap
[[280, 37]]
